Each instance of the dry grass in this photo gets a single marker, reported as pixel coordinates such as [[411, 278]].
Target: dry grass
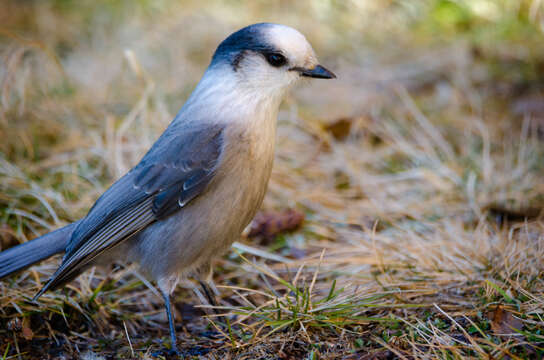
[[419, 172]]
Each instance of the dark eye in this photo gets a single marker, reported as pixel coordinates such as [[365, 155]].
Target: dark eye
[[275, 59]]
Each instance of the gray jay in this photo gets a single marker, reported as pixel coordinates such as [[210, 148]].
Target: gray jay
[[201, 183]]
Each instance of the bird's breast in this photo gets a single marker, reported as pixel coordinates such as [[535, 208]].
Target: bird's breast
[[207, 226], [248, 159]]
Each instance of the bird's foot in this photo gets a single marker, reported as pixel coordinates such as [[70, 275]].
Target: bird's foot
[[168, 353], [175, 352]]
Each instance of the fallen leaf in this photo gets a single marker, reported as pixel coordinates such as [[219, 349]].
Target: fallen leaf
[[503, 322], [269, 224], [340, 128], [26, 330], [502, 213]]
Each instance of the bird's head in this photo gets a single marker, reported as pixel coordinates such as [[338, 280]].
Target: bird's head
[[268, 58]]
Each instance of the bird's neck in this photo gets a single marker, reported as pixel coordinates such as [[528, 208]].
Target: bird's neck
[[224, 97]]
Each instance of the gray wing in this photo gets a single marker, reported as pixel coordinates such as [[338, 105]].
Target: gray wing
[[174, 171]]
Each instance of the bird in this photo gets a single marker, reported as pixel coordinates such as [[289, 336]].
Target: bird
[[200, 184]]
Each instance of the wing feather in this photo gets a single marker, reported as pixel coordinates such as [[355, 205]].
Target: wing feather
[[175, 171]]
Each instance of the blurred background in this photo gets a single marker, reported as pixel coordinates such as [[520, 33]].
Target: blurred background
[[419, 170]]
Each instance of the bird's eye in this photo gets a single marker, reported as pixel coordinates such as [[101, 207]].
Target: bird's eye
[[275, 59]]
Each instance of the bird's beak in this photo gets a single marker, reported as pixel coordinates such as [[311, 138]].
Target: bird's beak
[[318, 72]]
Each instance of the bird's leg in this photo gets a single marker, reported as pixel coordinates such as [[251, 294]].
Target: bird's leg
[[210, 296], [166, 297]]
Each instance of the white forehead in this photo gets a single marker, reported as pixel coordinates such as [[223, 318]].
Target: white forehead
[[291, 42]]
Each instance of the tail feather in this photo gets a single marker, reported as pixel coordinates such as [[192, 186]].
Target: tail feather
[[31, 252]]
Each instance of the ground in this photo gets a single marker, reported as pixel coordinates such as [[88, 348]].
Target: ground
[[403, 217]]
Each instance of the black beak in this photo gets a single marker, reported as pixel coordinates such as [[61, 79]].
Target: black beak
[[318, 72]]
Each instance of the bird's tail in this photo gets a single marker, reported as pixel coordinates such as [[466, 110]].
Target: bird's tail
[[31, 252]]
